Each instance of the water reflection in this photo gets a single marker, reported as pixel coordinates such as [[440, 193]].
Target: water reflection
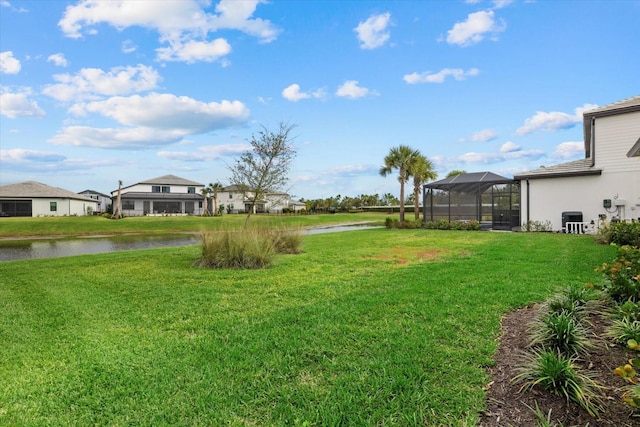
[[11, 250]]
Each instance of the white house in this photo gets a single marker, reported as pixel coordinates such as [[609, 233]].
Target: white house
[[233, 200], [164, 195], [104, 200], [33, 199], [602, 187]]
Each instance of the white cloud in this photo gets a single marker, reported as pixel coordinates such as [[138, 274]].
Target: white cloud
[[475, 28], [484, 135], [499, 4], [569, 150], [440, 76], [9, 64], [167, 111], [47, 162], [122, 138], [5, 3], [553, 120], [18, 104], [294, 94], [129, 46], [151, 121], [90, 83], [187, 29], [508, 151], [350, 89], [207, 153], [58, 59], [373, 32], [193, 51], [509, 147]]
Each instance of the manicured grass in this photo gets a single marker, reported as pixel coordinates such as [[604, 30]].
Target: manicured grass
[[84, 225], [372, 327]]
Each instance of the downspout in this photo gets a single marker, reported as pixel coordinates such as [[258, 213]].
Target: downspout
[[593, 141], [528, 204]]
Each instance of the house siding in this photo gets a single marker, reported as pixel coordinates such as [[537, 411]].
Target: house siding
[[65, 207], [614, 137]]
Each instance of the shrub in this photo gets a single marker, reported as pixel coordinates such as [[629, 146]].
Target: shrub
[[537, 226], [237, 249], [560, 374], [622, 233], [622, 276]]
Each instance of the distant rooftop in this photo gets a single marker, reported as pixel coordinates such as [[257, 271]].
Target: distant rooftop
[[35, 190]]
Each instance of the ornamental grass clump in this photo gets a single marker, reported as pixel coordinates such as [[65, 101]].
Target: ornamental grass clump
[[559, 373], [561, 331], [248, 249]]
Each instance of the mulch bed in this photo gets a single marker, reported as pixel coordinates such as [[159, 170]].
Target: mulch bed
[[506, 406]]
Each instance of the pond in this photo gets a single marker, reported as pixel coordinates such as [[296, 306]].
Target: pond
[[12, 250]]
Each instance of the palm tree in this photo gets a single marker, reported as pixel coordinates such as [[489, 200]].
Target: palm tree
[[215, 189], [456, 172], [401, 158], [205, 198], [422, 171]]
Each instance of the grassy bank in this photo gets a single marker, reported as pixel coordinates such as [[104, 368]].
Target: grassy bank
[[375, 327], [87, 225]]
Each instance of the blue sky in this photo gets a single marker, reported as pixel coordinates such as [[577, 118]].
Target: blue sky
[[92, 92]]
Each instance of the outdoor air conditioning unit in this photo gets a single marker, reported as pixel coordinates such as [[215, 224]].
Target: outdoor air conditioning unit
[[574, 218]]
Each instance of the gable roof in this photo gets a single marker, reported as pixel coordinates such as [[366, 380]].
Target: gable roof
[[94, 192], [468, 182], [38, 190], [580, 167], [635, 150]]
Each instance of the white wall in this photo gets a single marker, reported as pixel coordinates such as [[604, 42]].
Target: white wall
[[65, 207]]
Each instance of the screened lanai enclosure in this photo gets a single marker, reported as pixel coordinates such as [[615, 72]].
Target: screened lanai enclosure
[[490, 199]]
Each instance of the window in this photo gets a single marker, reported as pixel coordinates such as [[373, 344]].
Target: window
[[230, 196], [191, 190], [155, 188], [200, 204], [53, 206], [128, 205], [166, 189]]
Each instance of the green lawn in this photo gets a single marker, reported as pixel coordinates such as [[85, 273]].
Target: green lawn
[[85, 225], [371, 327]]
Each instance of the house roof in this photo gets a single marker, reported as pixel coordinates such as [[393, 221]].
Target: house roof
[[469, 182], [580, 167], [170, 180], [38, 190]]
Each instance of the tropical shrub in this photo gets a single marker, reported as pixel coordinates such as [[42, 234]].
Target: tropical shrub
[[622, 276]]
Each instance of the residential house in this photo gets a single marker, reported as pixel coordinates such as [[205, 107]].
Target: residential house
[[104, 200], [164, 195], [33, 199], [604, 186], [233, 200]]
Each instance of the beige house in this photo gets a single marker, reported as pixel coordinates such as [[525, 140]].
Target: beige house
[[33, 199], [579, 196]]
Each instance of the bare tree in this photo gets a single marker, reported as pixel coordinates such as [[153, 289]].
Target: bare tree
[[265, 168]]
